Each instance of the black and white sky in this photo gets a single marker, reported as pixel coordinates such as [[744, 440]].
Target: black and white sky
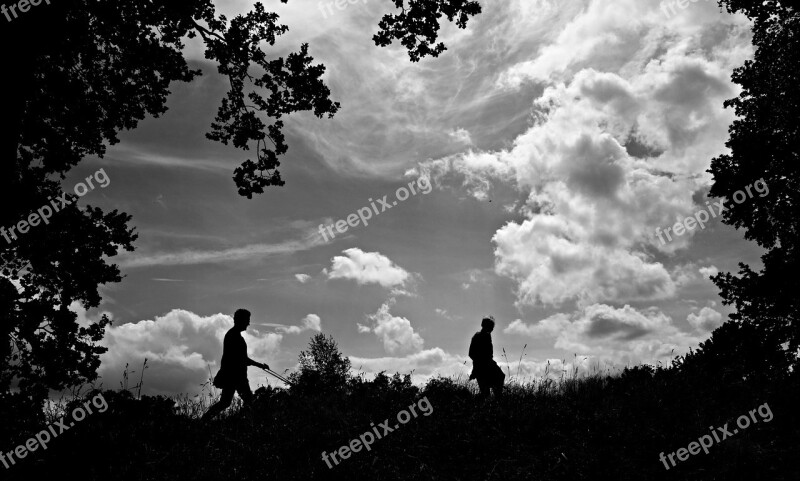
[[557, 137]]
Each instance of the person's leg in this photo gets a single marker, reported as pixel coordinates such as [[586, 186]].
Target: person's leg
[[484, 387], [498, 378], [498, 390], [498, 387], [224, 401], [243, 388]]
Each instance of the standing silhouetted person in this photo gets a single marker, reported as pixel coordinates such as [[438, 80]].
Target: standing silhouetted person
[[484, 369], [232, 375]]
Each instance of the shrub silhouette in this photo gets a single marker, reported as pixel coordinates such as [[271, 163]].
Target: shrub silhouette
[[323, 368], [738, 353]]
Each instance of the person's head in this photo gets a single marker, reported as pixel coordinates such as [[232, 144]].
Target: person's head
[[487, 324], [241, 319]]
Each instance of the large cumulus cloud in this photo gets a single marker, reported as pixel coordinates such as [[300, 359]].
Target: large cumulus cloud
[[618, 147]]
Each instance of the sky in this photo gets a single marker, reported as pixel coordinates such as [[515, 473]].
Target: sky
[[547, 147]]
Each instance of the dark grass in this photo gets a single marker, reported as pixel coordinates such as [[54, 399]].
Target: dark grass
[[589, 428]]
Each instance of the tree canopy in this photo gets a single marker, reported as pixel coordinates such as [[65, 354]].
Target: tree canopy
[[765, 144], [323, 368]]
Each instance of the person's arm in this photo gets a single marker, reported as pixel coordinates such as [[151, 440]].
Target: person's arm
[[251, 362], [247, 360]]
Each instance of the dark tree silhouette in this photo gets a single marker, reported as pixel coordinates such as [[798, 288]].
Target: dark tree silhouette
[[421, 19], [322, 367], [765, 143], [76, 73]]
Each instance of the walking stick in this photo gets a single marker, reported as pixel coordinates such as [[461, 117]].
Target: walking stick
[[278, 376]]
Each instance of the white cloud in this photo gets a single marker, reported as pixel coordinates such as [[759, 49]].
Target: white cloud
[[684, 274], [189, 257], [396, 332], [180, 348], [621, 140], [528, 370], [617, 335], [607, 35], [473, 277], [461, 135], [555, 260], [83, 319], [367, 268], [706, 320], [445, 314], [302, 278], [549, 327], [709, 271], [424, 364], [435, 362], [309, 323]]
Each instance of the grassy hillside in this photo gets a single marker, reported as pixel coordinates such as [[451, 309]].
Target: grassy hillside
[[597, 427]]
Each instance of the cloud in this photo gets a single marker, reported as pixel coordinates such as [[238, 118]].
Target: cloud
[[309, 323], [706, 320], [609, 157], [180, 347], [445, 314], [684, 274], [189, 257], [368, 268], [396, 332], [709, 271], [528, 370], [431, 363], [302, 278], [607, 35], [425, 364], [140, 155], [461, 135], [549, 327], [473, 277], [617, 335], [554, 260]]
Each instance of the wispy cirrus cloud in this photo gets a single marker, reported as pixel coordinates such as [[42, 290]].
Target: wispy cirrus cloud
[[190, 257], [141, 156]]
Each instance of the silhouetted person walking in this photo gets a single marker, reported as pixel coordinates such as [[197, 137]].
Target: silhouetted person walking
[[484, 368], [232, 375]]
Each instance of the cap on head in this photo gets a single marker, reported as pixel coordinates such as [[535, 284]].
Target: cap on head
[[487, 322], [241, 316]]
